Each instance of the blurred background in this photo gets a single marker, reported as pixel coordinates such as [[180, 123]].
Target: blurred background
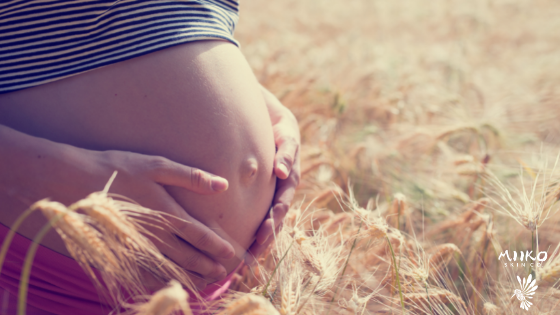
[[387, 91]]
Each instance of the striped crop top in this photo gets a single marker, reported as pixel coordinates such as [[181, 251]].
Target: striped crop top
[[46, 40]]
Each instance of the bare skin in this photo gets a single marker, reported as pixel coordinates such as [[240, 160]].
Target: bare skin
[[196, 104]]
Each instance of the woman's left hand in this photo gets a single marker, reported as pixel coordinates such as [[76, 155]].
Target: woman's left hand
[[286, 168]]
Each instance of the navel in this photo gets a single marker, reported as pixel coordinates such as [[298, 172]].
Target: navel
[[249, 170]]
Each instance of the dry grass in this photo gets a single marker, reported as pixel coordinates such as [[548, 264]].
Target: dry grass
[[433, 111], [165, 301]]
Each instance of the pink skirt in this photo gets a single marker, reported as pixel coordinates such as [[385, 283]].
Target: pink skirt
[[58, 285]]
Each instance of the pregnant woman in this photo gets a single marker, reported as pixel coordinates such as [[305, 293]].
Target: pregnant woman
[[160, 92]]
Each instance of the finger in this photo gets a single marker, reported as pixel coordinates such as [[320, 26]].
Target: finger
[[166, 247], [266, 229], [285, 157], [285, 190], [202, 237], [149, 281], [257, 249], [154, 284], [170, 173], [199, 282], [192, 231], [187, 257]]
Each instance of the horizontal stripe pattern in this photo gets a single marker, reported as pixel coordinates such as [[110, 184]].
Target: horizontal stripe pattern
[[46, 40]]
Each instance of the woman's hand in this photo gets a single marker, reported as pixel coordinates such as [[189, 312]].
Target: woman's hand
[[142, 178], [286, 168], [33, 168]]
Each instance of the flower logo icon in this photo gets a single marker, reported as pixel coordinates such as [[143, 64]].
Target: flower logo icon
[[528, 288]]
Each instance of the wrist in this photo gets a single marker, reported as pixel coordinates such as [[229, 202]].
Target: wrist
[[34, 168], [277, 111]]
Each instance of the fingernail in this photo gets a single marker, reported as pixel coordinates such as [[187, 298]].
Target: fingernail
[[229, 253], [283, 168], [219, 184], [222, 275]]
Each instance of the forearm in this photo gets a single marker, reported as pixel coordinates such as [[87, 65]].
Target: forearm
[[26, 161], [32, 169]]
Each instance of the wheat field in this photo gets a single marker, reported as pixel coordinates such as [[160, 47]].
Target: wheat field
[[430, 143], [422, 123]]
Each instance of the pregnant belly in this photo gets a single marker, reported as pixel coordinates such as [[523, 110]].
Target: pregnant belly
[[197, 104]]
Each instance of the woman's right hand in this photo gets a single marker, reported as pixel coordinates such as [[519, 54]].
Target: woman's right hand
[[33, 168], [142, 178]]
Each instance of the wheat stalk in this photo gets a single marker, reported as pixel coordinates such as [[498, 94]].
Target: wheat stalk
[[441, 255], [490, 309], [250, 304], [166, 301]]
